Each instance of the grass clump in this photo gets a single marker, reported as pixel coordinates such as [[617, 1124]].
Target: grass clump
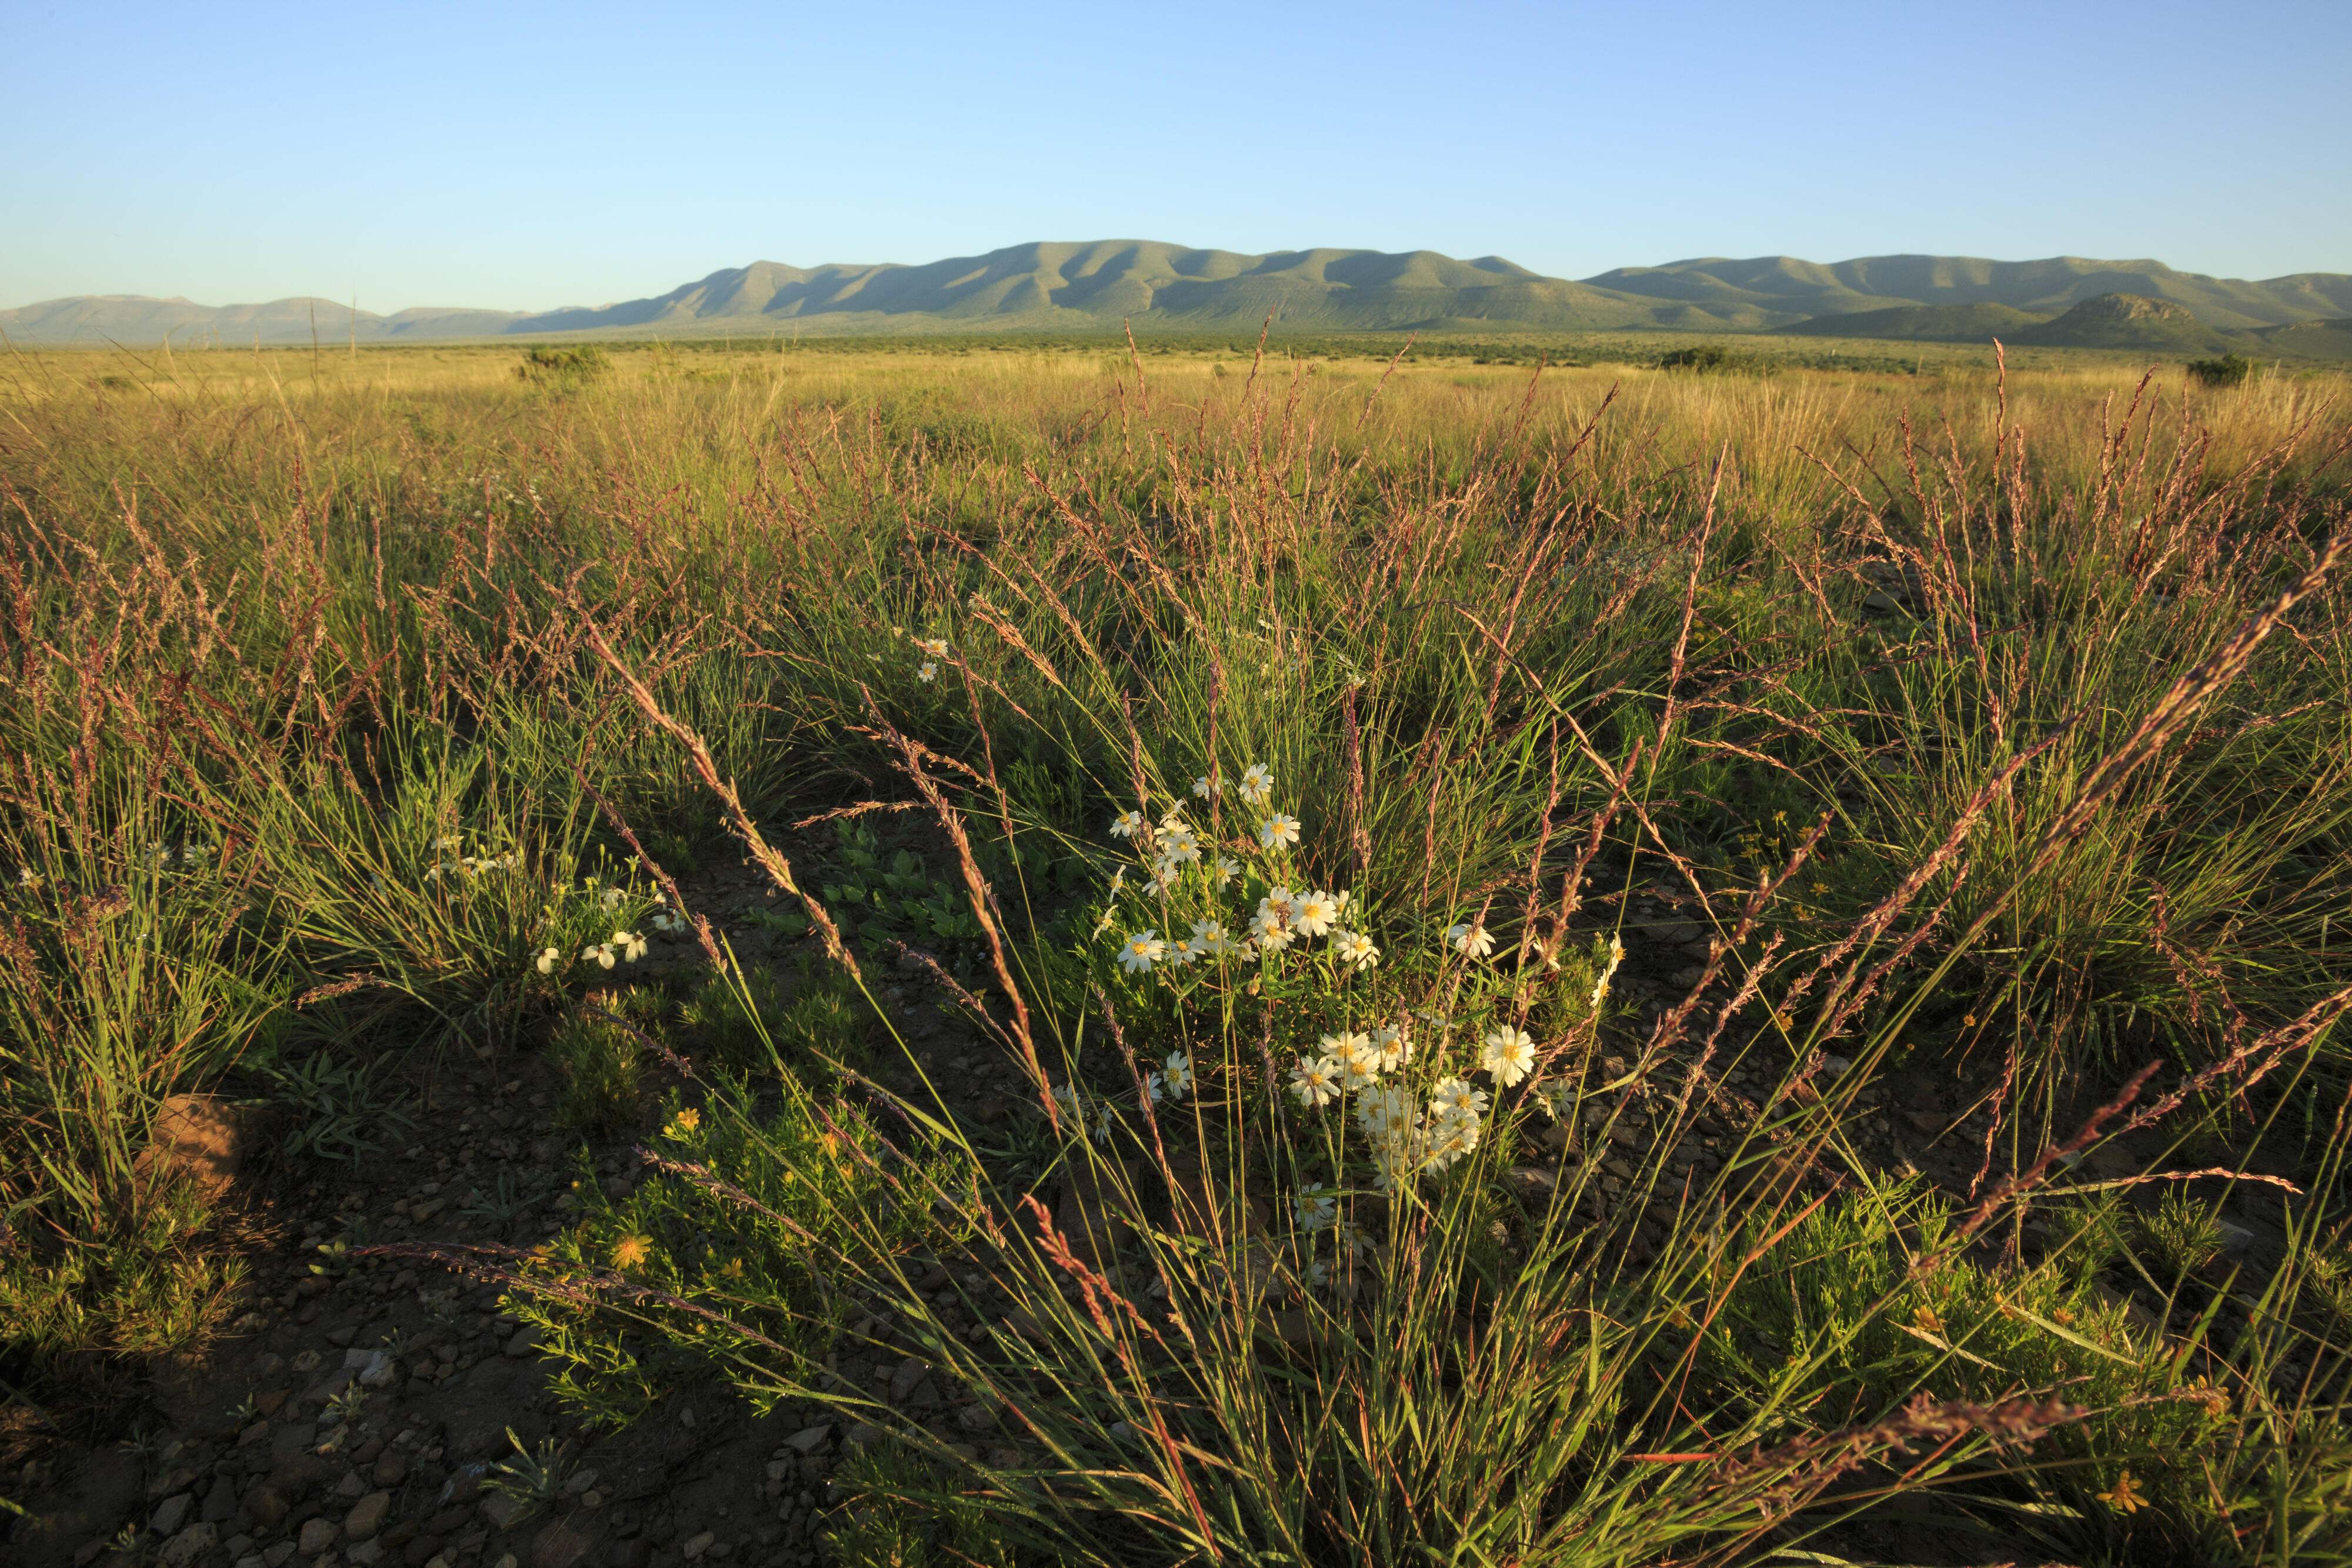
[[599, 1053]]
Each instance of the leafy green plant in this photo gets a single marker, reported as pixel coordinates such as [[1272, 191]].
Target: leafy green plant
[[337, 1112], [884, 901], [732, 1242], [532, 1476]]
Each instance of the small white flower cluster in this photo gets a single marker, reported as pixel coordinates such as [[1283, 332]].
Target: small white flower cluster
[[624, 947], [1174, 847], [467, 866], [1405, 1138]]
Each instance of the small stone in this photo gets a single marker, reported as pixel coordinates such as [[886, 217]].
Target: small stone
[[697, 1544], [267, 1506], [904, 1381], [350, 1487], [502, 1511], [205, 1138], [316, 1537], [189, 1545], [367, 1518], [560, 1544], [253, 1434], [392, 1469], [809, 1439], [171, 1513], [342, 1333], [524, 1341], [365, 1553], [278, 1554]]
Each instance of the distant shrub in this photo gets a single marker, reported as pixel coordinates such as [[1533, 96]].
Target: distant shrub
[[1711, 358], [2229, 370], [563, 366]]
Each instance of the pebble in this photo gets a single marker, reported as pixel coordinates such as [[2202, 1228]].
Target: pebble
[[189, 1546], [697, 1544], [809, 1439], [367, 1517], [316, 1537], [169, 1515]]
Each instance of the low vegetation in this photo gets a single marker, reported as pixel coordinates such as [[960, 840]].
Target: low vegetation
[[1573, 965]]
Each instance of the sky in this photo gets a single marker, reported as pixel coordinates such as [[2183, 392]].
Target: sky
[[522, 156]]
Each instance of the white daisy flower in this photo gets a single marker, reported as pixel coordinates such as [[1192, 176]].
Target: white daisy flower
[[1127, 824], [1457, 1097], [1394, 1049], [1227, 871], [1317, 1209], [937, 647], [1315, 1083], [1474, 941], [1509, 1054], [1359, 1064], [1257, 783], [1180, 844], [1209, 940], [1268, 931], [1450, 1139], [929, 673], [1355, 948], [1314, 913], [1202, 788], [1179, 1074], [1278, 832], [1387, 1113], [1142, 951]]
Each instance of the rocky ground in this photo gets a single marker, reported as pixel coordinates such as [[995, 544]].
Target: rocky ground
[[355, 1411]]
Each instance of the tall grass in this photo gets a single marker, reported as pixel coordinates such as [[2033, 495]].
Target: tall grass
[[2003, 736]]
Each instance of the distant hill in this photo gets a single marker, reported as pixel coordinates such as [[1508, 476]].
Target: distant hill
[[1922, 323], [2306, 339], [1880, 282], [2131, 321], [1091, 286]]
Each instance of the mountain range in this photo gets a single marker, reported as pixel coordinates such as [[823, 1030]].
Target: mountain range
[[1096, 285]]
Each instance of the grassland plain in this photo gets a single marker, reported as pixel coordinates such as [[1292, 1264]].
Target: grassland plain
[[1061, 953]]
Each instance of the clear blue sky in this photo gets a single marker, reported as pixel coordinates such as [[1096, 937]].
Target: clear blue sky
[[526, 156]]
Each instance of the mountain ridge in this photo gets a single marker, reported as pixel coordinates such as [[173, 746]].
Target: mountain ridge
[[1082, 285]]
